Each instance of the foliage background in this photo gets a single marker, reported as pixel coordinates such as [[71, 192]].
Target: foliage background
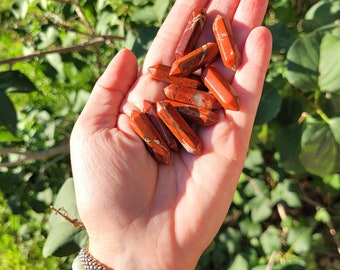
[[285, 213]]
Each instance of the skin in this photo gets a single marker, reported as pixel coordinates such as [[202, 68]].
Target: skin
[[143, 215]]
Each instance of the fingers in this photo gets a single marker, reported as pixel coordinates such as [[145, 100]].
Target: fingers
[[104, 103], [234, 131], [250, 78], [165, 43], [249, 14]]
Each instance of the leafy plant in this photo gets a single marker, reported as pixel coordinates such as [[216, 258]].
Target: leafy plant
[[285, 211]]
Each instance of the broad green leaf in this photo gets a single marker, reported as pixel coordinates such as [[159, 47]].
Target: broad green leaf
[[105, 21], [232, 239], [20, 8], [65, 200], [333, 180], [64, 240], [319, 149], [334, 124], [250, 228], [144, 15], [336, 32], [329, 68], [299, 238], [140, 43], [254, 161], [284, 10], [239, 263], [286, 193], [100, 5], [6, 136], [8, 115], [269, 106], [291, 109], [255, 187], [282, 38], [15, 81], [137, 2], [322, 215], [43, 4], [78, 99], [303, 62], [237, 198], [55, 60], [160, 8], [271, 240], [276, 174], [330, 104], [322, 13], [287, 222], [261, 208], [48, 37]]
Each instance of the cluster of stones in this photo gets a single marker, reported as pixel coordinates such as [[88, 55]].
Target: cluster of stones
[[195, 90]]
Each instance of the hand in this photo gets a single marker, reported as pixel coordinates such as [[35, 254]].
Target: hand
[[143, 215]]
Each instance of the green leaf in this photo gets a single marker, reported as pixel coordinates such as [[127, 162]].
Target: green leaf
[[8, 115], [232, 239], [319, 148], [303, 62], [20, 8], [250, 228], [261, 208], [299, 238], [64, 239], [282, 37], [5, 135], [254, 161], [334, 124], [286, 193], [65, 200], [255, 187], [269, 106], [144, 15], [160, 7], [333, 180], [329, 68], [322, 13], [322, 215], [15, 81], [55, 60], [140, 43], [271, 240], [48, 37], [239, 263], [105, 21]]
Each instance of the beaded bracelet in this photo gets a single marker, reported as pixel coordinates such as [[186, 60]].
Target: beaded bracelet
[[85, 261]]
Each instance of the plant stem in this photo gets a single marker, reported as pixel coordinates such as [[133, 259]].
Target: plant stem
[[74, 48], [316, 107]]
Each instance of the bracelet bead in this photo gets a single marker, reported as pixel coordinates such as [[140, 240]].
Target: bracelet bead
[[85, 261]]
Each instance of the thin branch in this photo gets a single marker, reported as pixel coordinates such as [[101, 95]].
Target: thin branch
[[63, 213], [33, 156], [74, 48], [82, 16], [271, 261], [55, 20]]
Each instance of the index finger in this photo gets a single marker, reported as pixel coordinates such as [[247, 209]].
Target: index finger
[[164, 45]]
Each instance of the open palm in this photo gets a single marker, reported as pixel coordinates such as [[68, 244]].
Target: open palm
[[143, 215]]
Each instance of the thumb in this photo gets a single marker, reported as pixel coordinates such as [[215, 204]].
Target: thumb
[[108, 93]]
